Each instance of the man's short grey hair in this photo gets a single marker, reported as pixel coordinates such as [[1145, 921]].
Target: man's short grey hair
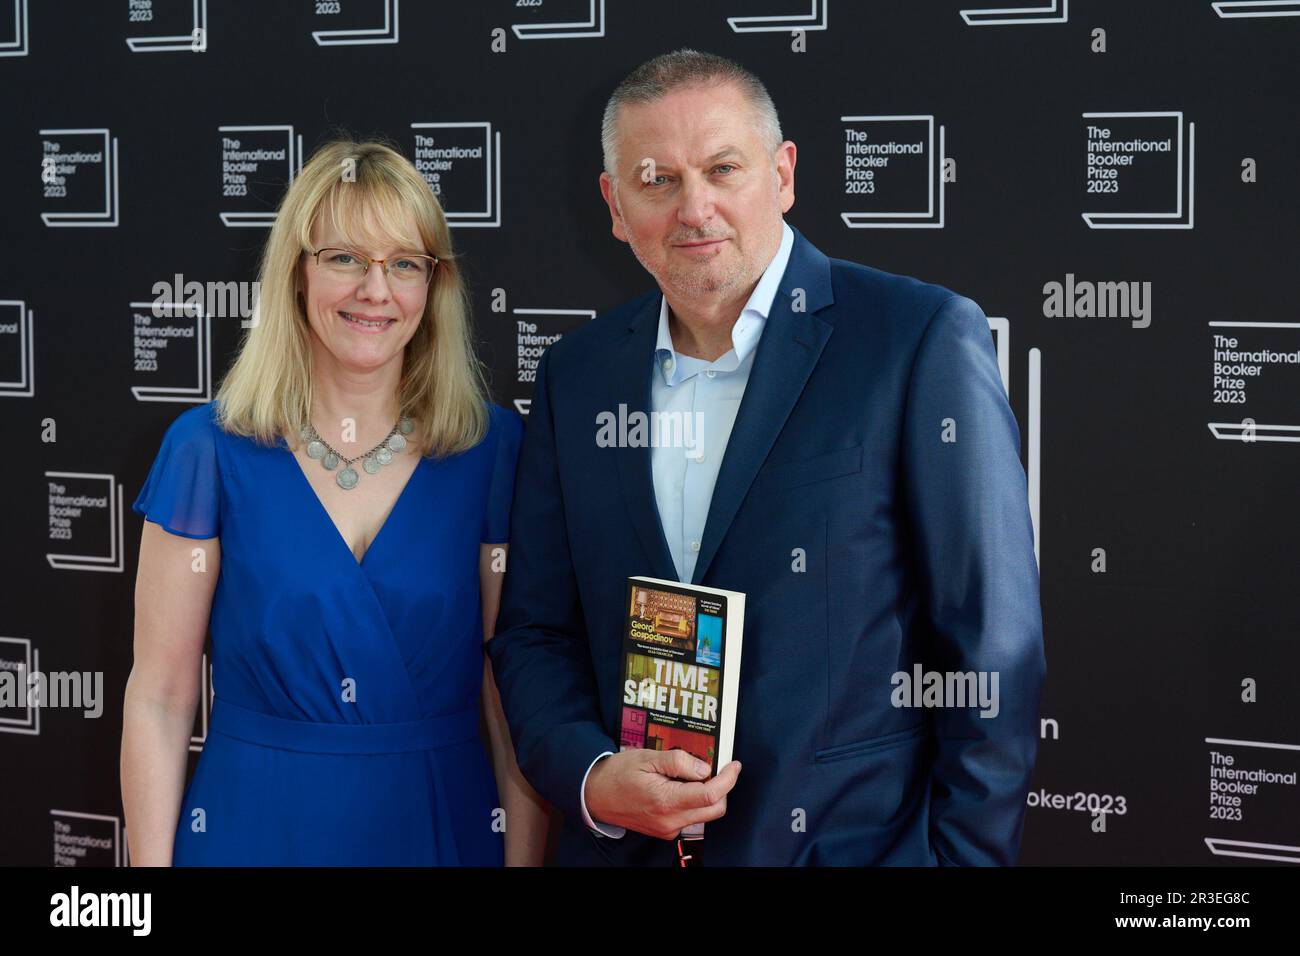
[[656, 78]]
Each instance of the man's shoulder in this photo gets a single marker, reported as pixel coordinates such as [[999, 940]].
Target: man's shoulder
[[891, 295]]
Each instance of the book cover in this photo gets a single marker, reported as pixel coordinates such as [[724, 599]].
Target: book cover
[[681, 669]]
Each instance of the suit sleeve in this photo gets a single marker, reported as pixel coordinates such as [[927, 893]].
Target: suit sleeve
[[540, 656], [973, 540]]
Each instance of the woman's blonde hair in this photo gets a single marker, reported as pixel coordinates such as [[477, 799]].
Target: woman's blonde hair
[[268, 390]]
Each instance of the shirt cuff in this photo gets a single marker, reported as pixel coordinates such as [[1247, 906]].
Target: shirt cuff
[[607, 830]]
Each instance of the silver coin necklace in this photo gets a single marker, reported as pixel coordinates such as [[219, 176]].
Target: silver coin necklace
[[371, 461]]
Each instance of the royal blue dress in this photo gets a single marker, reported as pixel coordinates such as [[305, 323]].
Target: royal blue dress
[[345, 724]]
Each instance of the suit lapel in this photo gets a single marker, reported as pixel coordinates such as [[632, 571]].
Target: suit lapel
[[629, 387], [787, 352], [791, 343]]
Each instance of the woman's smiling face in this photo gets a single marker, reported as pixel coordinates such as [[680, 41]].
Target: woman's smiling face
[[363, 320]]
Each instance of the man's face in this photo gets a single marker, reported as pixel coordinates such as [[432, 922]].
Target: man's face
[[697, 197]]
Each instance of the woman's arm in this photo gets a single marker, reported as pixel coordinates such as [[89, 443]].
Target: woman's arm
[[174, 583], [527, 814]]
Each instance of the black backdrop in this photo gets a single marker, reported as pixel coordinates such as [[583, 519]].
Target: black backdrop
[[1166, 502]]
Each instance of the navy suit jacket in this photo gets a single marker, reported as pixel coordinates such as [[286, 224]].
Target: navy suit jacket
[[875, 440]]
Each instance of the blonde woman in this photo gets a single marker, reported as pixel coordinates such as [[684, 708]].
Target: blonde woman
[[337, 520]]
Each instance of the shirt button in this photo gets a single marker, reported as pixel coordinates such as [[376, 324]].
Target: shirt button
[[710, 373], [668, 365], [695, 546], [697, 457]]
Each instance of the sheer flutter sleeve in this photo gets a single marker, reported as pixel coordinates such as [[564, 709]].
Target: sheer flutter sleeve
[[183, 490]]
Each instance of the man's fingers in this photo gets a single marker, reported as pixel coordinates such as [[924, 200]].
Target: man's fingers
[[681, 765], [679, 822], [682, 793], [693, 796], [711, 812]]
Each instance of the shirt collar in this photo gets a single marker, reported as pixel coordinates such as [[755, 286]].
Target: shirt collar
[[748, 327]]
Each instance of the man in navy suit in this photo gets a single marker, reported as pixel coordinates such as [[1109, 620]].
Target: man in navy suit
[[855, 471]]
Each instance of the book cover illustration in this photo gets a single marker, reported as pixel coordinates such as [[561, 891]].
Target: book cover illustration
[[674, 656]]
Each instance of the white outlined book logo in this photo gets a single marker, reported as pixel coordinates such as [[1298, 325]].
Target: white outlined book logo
[[1248, 429], [69, 163], [893, 173], [1139, 141], [388, 33], [87, 839], [593, 25], [1000, 326], [18, 45], [75, 498], [196, 41], [1272, 768], [1231, 9], [206, 694], [245, 162], [17, 355], [150, 332], [1277, 852], [1054, 11], [817, 18], [20, 658], [536, 330], [461, 162]]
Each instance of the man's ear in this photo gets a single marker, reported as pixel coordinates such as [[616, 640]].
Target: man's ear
[[786, 154], [616, 220]]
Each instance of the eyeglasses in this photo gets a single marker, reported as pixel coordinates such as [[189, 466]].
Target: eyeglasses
[[407, 269]]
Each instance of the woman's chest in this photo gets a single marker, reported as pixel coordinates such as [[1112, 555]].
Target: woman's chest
[[412, 526], [360, 512]]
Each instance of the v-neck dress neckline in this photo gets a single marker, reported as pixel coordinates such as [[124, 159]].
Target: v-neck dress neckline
[[324, 514]]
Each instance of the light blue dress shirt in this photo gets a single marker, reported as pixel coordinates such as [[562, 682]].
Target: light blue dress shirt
[[707, 396], [702, 398]]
